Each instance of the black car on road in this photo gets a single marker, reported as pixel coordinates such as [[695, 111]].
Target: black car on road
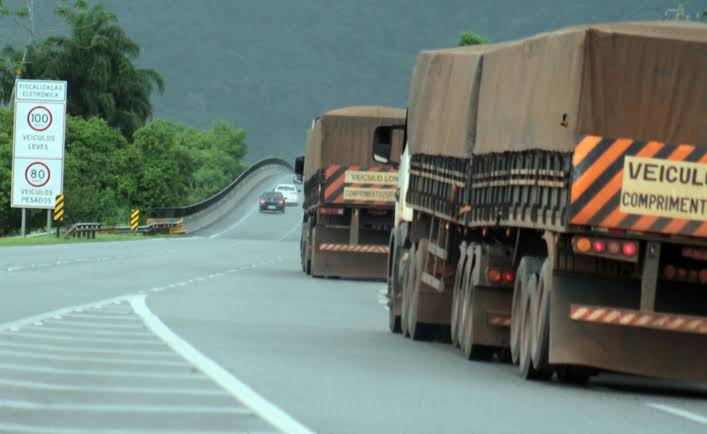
[[272, 201]]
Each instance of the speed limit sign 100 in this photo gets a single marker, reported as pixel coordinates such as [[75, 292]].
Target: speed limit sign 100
[[40, 118]]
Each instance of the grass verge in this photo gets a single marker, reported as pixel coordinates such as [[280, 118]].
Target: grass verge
[[52, 239]]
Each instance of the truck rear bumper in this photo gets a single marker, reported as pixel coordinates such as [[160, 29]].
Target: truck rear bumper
[[596, 323], [334, 256]]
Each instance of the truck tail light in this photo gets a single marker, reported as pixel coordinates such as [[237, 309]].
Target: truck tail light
[[598, 246], [509, 276], [498, 276], [606, 248], [630, 248]]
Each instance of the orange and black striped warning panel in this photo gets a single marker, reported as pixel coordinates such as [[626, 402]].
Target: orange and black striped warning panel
[[639, 186], [353, 185], [634, 318], [354, 248]]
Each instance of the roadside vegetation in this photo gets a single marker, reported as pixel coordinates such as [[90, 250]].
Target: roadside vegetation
[[117, 157], [43, 240]]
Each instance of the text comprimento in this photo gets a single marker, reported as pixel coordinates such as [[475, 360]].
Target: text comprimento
[[664, 188]]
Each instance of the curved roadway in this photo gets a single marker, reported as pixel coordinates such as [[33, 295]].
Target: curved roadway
[[317, 352]]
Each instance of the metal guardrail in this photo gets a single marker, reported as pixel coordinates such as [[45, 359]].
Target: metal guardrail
[[184, 211], [83, 230]]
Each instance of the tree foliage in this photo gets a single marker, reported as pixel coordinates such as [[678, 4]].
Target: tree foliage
[[470, 38], [105, 175], [97, 59]]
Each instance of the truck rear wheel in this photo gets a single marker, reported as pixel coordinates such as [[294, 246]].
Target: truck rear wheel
[[394, 286], [417, 330], [408, 280], [525, 360], [470, 312], [540, 305], [305, 243], [457, 295], [528, 265]]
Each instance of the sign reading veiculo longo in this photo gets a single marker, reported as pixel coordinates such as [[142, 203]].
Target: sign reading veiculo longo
[[38, 146]]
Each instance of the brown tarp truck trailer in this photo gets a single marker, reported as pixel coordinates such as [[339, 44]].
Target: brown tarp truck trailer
[[565, 221], [349, 198]]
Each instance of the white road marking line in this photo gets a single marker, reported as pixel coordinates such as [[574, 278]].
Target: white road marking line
[[58, 323], [16, 325], [297, 226], [102, 373], [115, 408], [105, 340], [90, 350], [86, 331], [101, 316], [35, 429], [87, 359], [236, 224], [34, 385], [222, 377], [678, 412]]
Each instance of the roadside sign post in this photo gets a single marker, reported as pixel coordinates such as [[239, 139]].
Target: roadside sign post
[[38, 146]]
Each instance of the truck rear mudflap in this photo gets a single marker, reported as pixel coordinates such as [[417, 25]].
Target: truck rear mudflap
[[597, 323], [335, 256], [639, 186]]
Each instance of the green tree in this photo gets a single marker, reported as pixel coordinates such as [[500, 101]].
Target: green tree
[[97, 60], [470, 38]]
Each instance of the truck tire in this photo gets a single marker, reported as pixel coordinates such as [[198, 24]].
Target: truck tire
[[528, 265], [304, 249], [408, 280], [394, 284], [471, 310], [417, 330], [525, 360], [312, 252], [540, 305], [457, 295]]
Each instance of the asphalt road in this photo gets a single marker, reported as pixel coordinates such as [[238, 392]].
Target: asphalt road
[[221, 332]]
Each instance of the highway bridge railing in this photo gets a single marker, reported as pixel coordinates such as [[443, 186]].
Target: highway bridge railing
[[189, 210], [201, 215]]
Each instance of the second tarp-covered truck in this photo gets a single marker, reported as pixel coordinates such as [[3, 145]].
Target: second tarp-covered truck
[[349, 199], [557, 194]]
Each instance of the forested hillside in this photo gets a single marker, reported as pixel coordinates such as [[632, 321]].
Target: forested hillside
[[270, 66]]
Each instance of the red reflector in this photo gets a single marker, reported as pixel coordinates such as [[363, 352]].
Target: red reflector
[[630, 248], [703, 276], [494, 275], [508, 276], [682, 273], [669, 272], [598, 246]]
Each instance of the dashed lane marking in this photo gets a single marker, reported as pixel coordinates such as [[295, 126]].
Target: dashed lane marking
[[60, 387], [678, 412], [99, 372], [222, 377], [22, 429], [114, 408], [34, 355]]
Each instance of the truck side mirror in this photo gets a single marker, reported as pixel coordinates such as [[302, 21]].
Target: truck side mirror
[[299, 166], [382, 144]]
